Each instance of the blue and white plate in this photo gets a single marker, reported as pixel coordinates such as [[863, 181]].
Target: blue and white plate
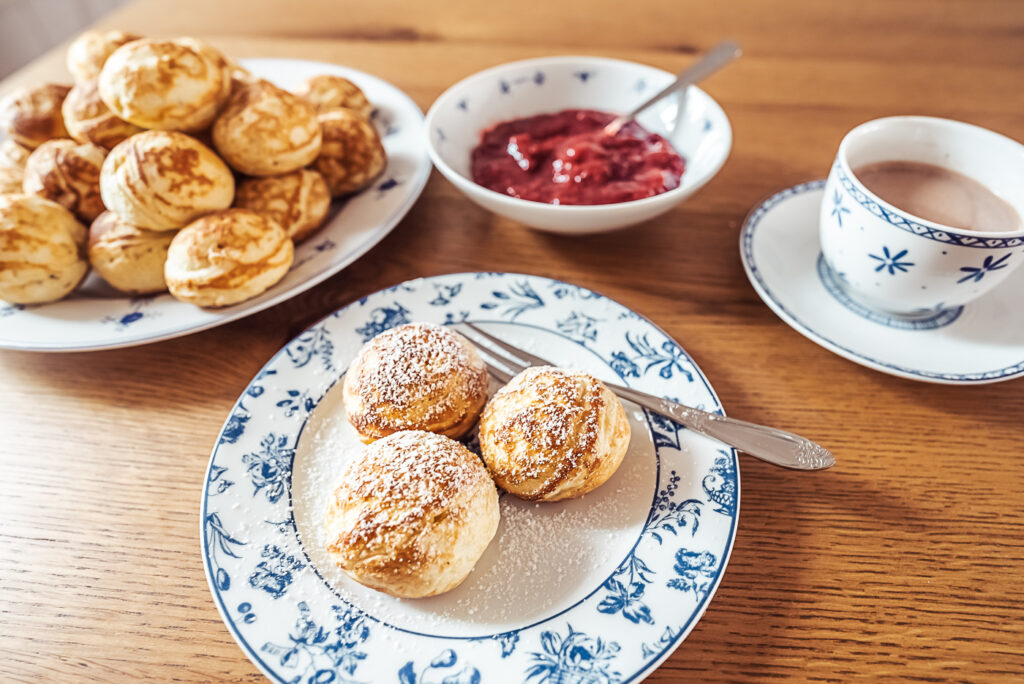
[[97, 317], [979, 343], [597, 590]]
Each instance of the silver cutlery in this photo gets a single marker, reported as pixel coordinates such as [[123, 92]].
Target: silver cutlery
[[769, 444], [715, 59]]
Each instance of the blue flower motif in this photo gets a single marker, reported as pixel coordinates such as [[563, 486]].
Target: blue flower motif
[[668, 515], [235, 426], [217, 484], [695, 569], [270, 468], [441, 137], [584, 76], [579, 325], [838, 209], [538, 78], [519, 299], [134, 314], [274, 573], [720, 485], [505, 87], [389, 184], [453, 317], [987, 266], [383, 318], [667, 360], [892, 262], [640, 85], [573, 658], [296, 401], [322, 655], [315, 342], [622, 365], [218, 539], [463, 105], [445, 293], [444, 660], [626, 590]]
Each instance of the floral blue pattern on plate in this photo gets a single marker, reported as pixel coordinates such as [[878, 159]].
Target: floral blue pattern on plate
[[659, 533], [97, 317]]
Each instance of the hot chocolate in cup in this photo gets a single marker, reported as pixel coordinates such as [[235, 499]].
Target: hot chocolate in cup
[[910, 264]]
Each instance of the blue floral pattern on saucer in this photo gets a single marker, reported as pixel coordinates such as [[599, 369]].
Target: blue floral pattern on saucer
[[297, 628]]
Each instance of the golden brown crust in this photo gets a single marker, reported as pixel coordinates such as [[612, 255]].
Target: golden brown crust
[[13, 155], [352, 155], [31, 116], [298, 201], [266, 131], [226, 66], [328, 92], [553, 434], [69, 174], [89, 52], [129, 258], [412, 515], [227, 257], [42, 250], [161, 180], [163, 85], [417, 376], [88, 119], [11, 180]]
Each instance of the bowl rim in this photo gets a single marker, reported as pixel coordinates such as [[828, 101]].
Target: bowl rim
[[676, 194]]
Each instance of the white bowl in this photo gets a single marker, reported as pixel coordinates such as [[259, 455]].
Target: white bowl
[[551, 84]]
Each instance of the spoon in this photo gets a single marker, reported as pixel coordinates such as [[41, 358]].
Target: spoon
[[718, 57]]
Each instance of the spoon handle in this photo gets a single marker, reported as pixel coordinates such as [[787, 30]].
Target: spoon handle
[[715, 59]]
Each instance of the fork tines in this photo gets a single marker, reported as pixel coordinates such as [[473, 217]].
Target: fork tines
[[498, 354]]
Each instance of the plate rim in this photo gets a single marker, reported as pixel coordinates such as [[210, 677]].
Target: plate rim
[[416, 184], [746, 240], [639, 675]]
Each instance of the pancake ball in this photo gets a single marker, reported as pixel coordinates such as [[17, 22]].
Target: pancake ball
[[163, 85], [352, 155], [162, 180], [69, 174], [553, 434], [31, 116], [266, 131], [42, 250], [417, 376], [412, 515], [89, 52], [298, 201]]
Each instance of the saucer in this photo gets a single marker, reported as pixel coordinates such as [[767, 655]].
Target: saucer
[[978, 343]]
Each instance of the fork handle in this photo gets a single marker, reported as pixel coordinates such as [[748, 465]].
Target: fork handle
[[760, 441]]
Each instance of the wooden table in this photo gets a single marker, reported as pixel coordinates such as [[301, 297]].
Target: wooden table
[[905, 561]]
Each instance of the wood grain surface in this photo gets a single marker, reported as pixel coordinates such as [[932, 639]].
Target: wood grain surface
[[904, 562]]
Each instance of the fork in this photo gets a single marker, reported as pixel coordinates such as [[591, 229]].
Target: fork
[[769, 444]]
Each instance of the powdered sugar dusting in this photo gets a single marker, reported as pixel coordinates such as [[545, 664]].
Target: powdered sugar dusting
[[415, 375], [544, 557], [542, 426]]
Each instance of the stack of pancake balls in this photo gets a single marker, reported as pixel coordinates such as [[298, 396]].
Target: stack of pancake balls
[[168, 167], [414, 509]]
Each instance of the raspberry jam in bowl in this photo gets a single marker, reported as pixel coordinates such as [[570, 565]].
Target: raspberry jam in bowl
[[567, 158], [524, 140]]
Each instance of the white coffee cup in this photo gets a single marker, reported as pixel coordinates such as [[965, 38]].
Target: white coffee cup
[[893, 261]]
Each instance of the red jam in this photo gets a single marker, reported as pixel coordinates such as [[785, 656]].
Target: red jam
[[566, 158]]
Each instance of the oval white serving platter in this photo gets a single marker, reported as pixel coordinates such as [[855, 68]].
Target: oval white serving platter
[[599, 589], [97, 317]]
